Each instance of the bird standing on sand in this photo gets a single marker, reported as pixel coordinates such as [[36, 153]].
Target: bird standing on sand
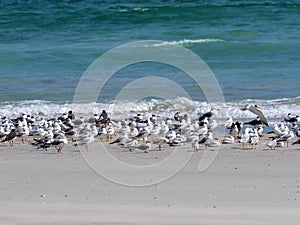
[[272, 144], [10, 137]]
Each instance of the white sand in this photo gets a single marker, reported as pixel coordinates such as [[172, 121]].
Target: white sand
[[240, 187]]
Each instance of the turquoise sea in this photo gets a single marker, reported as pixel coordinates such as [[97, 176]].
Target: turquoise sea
[[252, 47]]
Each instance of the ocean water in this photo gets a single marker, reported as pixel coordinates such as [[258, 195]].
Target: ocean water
[[252, 47]]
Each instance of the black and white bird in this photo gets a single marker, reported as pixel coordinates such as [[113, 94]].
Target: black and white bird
[[257, 111], [209, 114]]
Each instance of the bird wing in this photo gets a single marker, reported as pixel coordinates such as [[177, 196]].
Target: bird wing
[[259, 113]]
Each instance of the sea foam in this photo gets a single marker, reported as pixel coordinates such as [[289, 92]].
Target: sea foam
[[187, 41], [273, 109]]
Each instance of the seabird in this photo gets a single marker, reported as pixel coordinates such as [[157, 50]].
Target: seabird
[[195, 145], [256, 110], [272, 144], [286, 138], [121, 140], [10, 137], [255, 122], [245, 137], [228, 123], [59, 142], [291, 119], [209, 114], [228, 139], [254, 139], [160, 141], [206, 139], [178, 116], [296, 142]]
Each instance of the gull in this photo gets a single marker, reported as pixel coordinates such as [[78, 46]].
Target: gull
[[130, 143], [202, 130], [292, 119], [102, 132], [121, 140], [228, 123], [85, 139], [245, 137], [59, 142], [160, 141], [143, 134], [23, 132], [155, 131], [234, 131], [133, 131], [10, 137], [164, 129], [228, 139], [3, 132], [272, 144], [206, 139], [255, 122], [286, 138], [256, 110], [177, 141], [296, 142], [110, 132], [195, 145], [171, 135], [209, 114], [254, 139]]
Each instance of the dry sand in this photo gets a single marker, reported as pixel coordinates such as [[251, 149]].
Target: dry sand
[[240, 187]]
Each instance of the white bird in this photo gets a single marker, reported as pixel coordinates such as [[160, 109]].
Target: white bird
[[254, 139], [171, 135], [272, 144], [228, 139], [195, 145], [121, 140], [228, 123], [164, 129], [85, 139], [202, 130], [286, 138], [110, 132], [245, 137], [160, 141], [206, 139], [133, 132]]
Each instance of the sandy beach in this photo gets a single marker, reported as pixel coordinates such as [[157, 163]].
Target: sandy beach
[[242, 186]]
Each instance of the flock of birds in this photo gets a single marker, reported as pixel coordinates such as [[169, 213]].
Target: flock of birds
[[142, 134]]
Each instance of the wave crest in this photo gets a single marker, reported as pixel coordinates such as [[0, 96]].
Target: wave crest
[[187, 41]]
